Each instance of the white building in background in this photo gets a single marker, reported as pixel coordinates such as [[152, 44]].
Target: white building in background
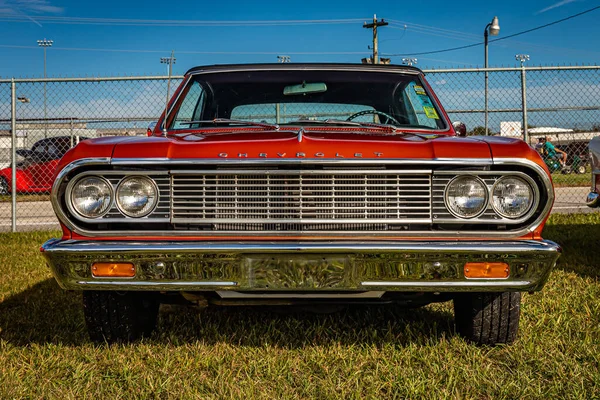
[[556, 135], [511, 129]]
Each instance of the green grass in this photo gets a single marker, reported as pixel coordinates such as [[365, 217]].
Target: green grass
[[359, 353], [571, 180], [25, 197]]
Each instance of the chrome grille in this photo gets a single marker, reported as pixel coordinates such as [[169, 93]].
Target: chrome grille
[[300, 197]]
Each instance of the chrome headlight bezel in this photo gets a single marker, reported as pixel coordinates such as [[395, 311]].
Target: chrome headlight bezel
[[150, 209], [71, 203], [532, 204], [485, 191]]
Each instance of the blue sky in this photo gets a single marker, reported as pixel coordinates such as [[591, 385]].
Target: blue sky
[[428, 26]]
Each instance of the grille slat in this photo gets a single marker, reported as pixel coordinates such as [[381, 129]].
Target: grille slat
[[298, 198]]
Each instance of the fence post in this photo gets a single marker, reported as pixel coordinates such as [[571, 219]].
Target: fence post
[[72, 132], [13, 131]]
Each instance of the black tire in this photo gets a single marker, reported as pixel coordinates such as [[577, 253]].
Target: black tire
[[4, 189], [488, 318], [119, 316]]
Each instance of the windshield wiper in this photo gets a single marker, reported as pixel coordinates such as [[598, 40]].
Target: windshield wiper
[[219, 121], [390, 129]]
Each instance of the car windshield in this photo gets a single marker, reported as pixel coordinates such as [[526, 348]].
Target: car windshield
[[305, 97]]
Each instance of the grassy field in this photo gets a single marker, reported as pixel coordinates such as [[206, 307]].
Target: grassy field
[[358, 353], [571, 180], [25, 198]]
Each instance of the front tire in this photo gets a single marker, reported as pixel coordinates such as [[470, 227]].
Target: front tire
[[119, 316], [488, 318]]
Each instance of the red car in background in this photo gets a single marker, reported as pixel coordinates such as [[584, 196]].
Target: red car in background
[[36, 172]]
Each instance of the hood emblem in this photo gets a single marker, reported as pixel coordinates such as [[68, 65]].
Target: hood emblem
[[300, 134]]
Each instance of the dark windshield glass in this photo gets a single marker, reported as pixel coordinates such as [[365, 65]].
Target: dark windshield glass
[[299, 97]]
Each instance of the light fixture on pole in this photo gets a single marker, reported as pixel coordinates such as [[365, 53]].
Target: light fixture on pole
[[23, 99], [169, 61], [493, 28], [409, 61], [44, 44], [284, 59]]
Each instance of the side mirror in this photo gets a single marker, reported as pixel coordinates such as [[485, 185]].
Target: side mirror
[[460, 128], [151, 127]]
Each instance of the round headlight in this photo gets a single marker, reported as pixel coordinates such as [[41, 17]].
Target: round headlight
[[91, 197], [512, 197], [466, 196], [137, 196]]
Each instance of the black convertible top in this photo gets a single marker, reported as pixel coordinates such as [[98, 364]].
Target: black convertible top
[[304, 66]]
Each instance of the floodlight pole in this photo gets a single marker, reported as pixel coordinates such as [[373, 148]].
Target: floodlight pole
[[44, 44], [169, 61]]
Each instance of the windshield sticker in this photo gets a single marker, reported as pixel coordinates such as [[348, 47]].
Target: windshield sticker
[[430, 112], [419, 90]]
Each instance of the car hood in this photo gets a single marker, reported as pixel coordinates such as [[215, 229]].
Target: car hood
[[278, 145], [313, 145]]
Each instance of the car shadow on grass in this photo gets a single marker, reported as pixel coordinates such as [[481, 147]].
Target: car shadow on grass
[[580, 244], [47, 314], [289, 328], [44, 313]]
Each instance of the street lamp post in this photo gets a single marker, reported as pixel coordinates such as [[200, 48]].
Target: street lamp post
[[44, 44], [493, 28]]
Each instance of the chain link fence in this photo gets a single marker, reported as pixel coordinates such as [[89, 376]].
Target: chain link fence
[[561, 115]]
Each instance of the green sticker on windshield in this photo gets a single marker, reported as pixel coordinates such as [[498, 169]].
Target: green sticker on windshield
[[419, 90], [430, 112]]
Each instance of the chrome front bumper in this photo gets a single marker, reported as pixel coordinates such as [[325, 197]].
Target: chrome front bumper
[[409, 266]]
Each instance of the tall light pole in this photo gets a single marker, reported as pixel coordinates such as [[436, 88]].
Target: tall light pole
[[522, 58], [169, 61], [493, 28], [44, 44]]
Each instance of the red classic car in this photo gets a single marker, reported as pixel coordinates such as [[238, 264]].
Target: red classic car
[[302, 184], [35, 173]]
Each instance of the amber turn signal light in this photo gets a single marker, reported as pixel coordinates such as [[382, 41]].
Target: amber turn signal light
[[113, 270], [486, 270]]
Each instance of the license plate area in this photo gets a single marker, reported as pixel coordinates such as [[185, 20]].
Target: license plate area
[[281, 271]]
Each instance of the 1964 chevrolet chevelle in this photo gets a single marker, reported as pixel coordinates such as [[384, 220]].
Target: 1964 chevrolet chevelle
[[302, 184]]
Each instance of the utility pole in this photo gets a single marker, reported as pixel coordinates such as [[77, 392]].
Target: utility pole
[[374, 26]]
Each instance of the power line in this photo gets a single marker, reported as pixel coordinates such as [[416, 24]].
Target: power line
[[195, 52], [170, 23], [402, 24], [467, 37], [433, 33], [499, 39]]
